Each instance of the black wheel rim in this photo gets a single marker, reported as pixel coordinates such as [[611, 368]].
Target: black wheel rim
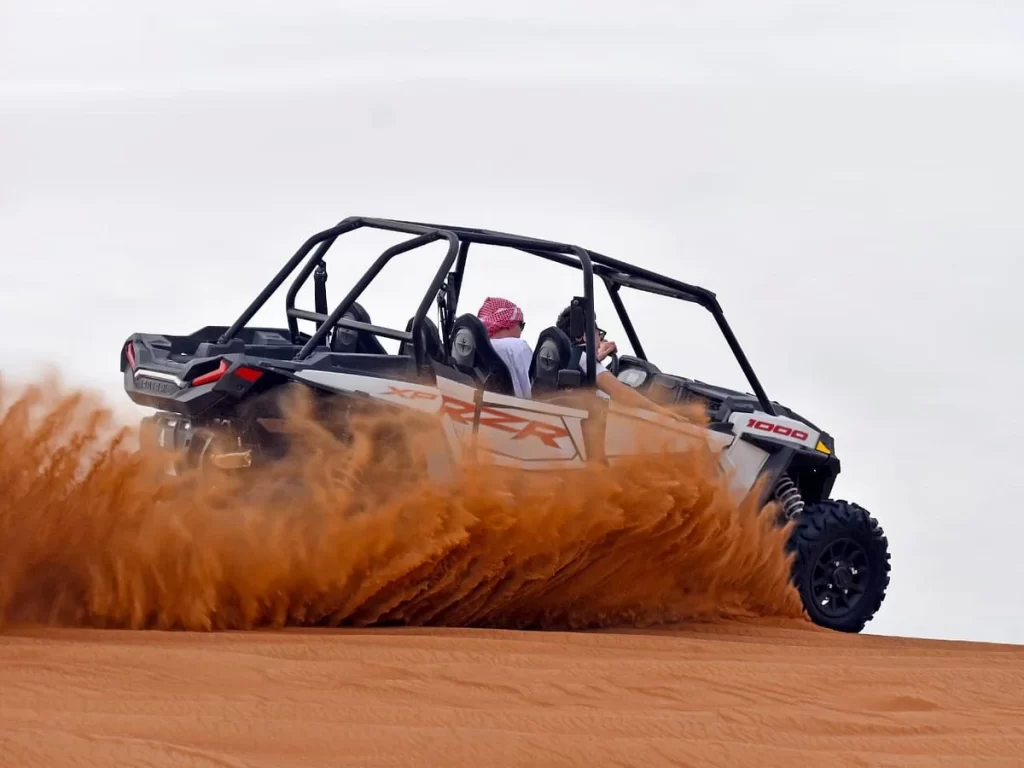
[[840, 578]]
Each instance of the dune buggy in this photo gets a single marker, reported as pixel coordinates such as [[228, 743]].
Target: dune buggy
[[212, 377]]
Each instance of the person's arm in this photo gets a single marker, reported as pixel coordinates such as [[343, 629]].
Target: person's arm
[[625, 394]]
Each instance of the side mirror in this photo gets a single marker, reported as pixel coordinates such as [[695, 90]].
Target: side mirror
[[569, 378]]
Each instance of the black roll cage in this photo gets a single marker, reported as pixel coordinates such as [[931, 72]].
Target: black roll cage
[[447, 283]]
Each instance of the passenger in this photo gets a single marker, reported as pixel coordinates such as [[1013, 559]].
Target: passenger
[[504, 323]]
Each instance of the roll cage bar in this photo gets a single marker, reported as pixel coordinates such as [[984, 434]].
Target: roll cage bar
[[447, 283]]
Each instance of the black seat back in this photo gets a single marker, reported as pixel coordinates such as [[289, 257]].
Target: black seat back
[[553, 354], [473, 354], [430, 338], [353, 341]]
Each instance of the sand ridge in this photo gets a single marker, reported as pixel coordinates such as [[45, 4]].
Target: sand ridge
[[732, 693]]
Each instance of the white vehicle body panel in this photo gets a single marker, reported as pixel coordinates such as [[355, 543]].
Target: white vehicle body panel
[[776, 427], [629, 431], [419, 397], [534, 435], [742, 462]]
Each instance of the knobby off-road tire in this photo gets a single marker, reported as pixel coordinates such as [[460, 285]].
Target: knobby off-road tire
[[841, 566]]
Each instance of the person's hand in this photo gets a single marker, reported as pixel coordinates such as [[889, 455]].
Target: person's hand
[[606, 348]]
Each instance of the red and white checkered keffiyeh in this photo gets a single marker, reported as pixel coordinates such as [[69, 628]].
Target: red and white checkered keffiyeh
[[499, 314]]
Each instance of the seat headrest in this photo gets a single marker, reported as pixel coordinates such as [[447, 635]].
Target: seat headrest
[[350, 340], [468, 334], [473, 354], [345, 339], [430, 338], [553, 354]]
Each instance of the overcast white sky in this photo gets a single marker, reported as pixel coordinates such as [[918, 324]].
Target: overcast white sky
[[846, 177]]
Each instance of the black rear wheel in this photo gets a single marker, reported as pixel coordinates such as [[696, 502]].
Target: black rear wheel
[[841, 566]]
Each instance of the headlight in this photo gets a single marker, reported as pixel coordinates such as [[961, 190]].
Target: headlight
[[633, 377]]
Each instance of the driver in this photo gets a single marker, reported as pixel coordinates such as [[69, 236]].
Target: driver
[[607, 383], [604, 347]]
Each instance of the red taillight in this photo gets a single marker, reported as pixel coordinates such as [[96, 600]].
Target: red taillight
[[248, 374], [129, 352], [244, 372], [212, 376]]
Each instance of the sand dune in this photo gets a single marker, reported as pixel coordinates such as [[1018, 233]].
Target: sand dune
[[737, 694], [98, 544]]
